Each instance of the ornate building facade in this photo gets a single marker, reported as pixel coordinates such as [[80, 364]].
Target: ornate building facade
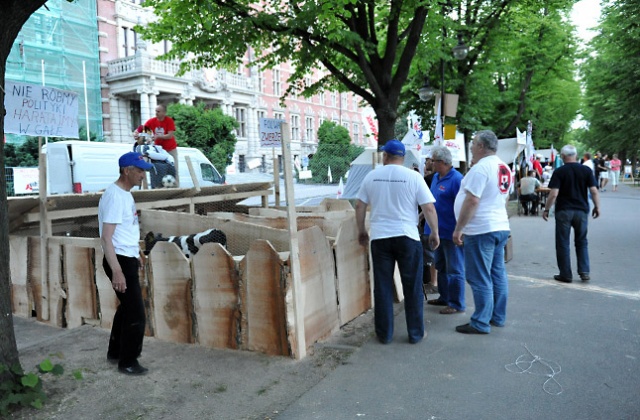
[[134, 82]]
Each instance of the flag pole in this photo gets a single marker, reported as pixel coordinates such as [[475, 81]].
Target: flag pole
[[86, 103], [46, 138]]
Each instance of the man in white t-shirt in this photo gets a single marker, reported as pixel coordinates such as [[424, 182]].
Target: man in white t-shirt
[[528, 193], [482, 220], [394, 194], [119, 237]]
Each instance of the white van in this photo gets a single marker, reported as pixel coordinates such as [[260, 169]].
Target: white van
[[80, 166]]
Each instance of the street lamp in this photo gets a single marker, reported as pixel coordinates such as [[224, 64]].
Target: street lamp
[[460, 51], [426, 92]]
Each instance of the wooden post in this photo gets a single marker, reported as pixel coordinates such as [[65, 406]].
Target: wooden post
[[45, 230], [300, 346], [276, 178], [194, 178]]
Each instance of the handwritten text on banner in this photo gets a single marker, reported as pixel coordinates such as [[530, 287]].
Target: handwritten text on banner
[[35, 110]]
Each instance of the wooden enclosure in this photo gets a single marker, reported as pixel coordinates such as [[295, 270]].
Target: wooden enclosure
[[238, 297]]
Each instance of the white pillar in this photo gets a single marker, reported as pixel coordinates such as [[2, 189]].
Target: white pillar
[[144, 105]]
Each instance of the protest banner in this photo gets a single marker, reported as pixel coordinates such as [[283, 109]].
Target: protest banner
[[35, 110], [270, 132]]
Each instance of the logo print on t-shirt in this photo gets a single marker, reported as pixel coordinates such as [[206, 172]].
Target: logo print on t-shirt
[[504, 178]]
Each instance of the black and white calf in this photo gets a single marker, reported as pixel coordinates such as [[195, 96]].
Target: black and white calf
[[189, 244]]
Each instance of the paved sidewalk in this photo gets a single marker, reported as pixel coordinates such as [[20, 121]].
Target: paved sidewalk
[[585, 338]]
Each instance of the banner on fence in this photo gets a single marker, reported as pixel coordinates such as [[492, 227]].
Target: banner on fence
[[270, 132], [35, 110], [25, 180]]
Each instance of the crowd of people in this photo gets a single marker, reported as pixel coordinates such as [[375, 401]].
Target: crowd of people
[[466, 231], [472, 228]]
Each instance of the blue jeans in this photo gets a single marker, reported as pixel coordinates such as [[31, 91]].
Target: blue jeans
[[578, 220], [450, 265], [408, 254], [487, 276]]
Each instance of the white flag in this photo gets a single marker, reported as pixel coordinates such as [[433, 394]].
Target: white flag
[[340, 188], [438, 137], [329, 175]]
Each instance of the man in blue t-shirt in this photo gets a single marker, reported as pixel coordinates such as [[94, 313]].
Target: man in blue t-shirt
[[570, 186], [449, 258]]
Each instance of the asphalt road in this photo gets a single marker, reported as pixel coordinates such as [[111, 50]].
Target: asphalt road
[[568, 351]]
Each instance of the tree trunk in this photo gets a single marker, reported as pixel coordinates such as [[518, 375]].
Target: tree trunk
[[386, 115], [16, 13]]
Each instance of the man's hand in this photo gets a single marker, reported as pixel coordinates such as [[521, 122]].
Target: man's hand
[[363, 239], [434, 241], [457, 237], [595, 212], [119, 283], [545, 215]]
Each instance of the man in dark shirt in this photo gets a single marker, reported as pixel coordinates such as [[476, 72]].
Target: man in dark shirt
[[570, 185]]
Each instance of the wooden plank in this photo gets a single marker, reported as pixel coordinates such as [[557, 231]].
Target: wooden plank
[[352, 270], [45, 233], [215, 297], [19, 250], [262, 303], [318, 289], [107, 300], [239, 234], [57, 294], [79, 275], [171, 293], [33, 275]]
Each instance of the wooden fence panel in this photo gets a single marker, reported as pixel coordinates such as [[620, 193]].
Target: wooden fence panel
[[19, 251], [215, 297], [171, 293], [79, 275], [262, 304], [318, 295], [352, 268], [57, 293], [107, 299]]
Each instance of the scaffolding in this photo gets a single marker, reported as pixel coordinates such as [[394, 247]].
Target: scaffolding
[[51, 49]]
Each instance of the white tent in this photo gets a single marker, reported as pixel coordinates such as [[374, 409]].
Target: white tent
[[363, 164]]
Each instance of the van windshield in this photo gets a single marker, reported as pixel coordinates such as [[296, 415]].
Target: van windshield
[[209, 173]]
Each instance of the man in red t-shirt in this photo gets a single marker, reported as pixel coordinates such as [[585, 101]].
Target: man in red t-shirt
[[163, 128]]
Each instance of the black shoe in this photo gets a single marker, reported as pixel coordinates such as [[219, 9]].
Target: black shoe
[[585, 277], [468, 329], [562, 279], [437, 302], [134, 369]]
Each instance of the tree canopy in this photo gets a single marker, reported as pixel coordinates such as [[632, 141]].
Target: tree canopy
[[366, 46], [611, 74], [209, 130], [335, 151]]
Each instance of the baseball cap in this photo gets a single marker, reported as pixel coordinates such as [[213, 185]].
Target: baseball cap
[[393, 147], [134, 159]]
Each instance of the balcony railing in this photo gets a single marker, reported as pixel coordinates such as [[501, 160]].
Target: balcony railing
[[137, 65]]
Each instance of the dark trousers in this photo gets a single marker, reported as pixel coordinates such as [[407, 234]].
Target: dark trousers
[[408, 254], [565, 221], [127, 331]]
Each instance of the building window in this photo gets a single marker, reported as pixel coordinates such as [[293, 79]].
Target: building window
[[308, 126], [295, 128], [129, 39], [322, 98], [278, 116], [263, 167], [241, 163], [241, 117], [333, 99], [276, 82], [355, 103], [320, 121], [356, 133], [260, 81]]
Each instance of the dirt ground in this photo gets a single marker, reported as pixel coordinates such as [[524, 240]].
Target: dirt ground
[[184, 381]]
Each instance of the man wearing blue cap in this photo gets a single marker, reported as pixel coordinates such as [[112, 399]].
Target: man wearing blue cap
[[120, 236], [394, 194]]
